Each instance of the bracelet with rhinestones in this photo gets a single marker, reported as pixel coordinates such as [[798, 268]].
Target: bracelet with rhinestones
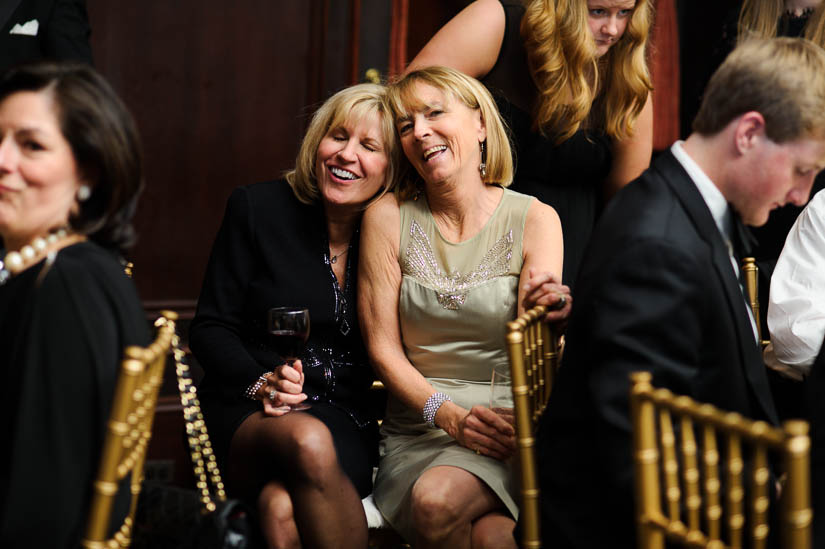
[[431, 407], [252, 390]]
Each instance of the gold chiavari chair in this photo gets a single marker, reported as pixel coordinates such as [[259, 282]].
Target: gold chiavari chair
[[679, 443], [127, 438], [534, 355], [751, 272]]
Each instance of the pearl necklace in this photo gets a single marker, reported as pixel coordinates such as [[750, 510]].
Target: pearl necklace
[[16, 262]]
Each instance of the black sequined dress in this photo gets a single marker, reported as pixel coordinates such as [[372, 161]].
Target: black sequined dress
[[273, 251]]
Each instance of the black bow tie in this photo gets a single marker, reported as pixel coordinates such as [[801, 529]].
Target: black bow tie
[[742, 239]]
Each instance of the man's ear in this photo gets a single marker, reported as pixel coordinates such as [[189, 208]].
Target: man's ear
[[749, 130]]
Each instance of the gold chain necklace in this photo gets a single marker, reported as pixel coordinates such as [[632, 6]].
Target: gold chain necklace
[[334, 259]]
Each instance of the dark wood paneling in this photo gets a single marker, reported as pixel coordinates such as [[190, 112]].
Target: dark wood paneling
[[220, 92]]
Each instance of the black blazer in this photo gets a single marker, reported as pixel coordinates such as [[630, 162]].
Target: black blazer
[[62, 31], [656, 292]]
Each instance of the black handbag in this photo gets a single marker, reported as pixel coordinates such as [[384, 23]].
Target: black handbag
[[171, 517]]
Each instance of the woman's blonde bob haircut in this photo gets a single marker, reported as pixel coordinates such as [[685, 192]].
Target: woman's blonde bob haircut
[[349, 105], [576, 88], [783, 79], [760, 19], [472, 93]]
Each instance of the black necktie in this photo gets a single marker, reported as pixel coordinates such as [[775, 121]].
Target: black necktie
[[742, 239], [743, 243]]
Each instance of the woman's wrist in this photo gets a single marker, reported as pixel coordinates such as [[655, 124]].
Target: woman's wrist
[[431, 407], [252, 391], [448, 417]]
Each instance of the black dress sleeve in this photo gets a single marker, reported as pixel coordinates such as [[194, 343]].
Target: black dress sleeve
[[216, 334]]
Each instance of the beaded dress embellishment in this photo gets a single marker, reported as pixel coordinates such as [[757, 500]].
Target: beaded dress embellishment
[[451, 289]]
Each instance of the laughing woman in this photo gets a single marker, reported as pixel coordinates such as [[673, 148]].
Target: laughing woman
[[443, 269], [295, 243]]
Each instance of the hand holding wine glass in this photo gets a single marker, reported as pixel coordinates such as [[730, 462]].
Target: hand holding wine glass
[[288, 331]]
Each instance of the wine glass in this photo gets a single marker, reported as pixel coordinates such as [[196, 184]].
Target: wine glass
[[288, 332], [501, 392]]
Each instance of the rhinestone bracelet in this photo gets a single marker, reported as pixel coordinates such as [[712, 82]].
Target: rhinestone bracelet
[[431, 407], [252, 390]]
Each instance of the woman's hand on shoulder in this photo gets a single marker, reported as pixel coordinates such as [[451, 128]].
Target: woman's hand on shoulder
[[487, 433], [546, 289], [284, 387], [470, 42]]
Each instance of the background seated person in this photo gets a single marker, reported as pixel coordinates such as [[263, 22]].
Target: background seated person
[[571, 81], [295, 243], [70, 175], [444, 267], [796, 320], [659, 289], [796, 311]]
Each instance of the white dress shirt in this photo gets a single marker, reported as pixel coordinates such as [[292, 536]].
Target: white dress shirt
[[719, 209], [796, 311]]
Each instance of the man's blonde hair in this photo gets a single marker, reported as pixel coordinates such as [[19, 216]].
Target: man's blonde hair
[[783, 79]]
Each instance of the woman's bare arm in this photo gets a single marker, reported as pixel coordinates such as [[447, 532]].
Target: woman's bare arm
[[469, 42], [543, 250]]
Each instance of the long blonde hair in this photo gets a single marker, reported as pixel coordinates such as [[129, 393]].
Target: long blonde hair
[[564, 66], [760, 19]]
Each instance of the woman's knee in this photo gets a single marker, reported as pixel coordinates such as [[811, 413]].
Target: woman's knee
[[435, 510], [313, 449], [493, 531]]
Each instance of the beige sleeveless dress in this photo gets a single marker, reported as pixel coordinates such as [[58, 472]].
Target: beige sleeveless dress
[[455, 300]]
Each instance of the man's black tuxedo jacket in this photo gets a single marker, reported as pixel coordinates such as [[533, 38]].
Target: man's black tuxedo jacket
[[656, 292], [63, 31]]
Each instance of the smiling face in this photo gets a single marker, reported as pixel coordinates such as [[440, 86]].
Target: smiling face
[[608, 20], [38, 175], [775, 175], [351, 162], [440, 136]]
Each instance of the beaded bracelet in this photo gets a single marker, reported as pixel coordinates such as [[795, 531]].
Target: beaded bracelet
[[431, 407], [252, 390]]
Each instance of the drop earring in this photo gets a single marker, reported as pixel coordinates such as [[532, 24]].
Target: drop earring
[[482, 168]]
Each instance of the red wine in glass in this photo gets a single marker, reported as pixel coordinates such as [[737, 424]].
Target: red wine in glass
[[288, 333], [288, 343]]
